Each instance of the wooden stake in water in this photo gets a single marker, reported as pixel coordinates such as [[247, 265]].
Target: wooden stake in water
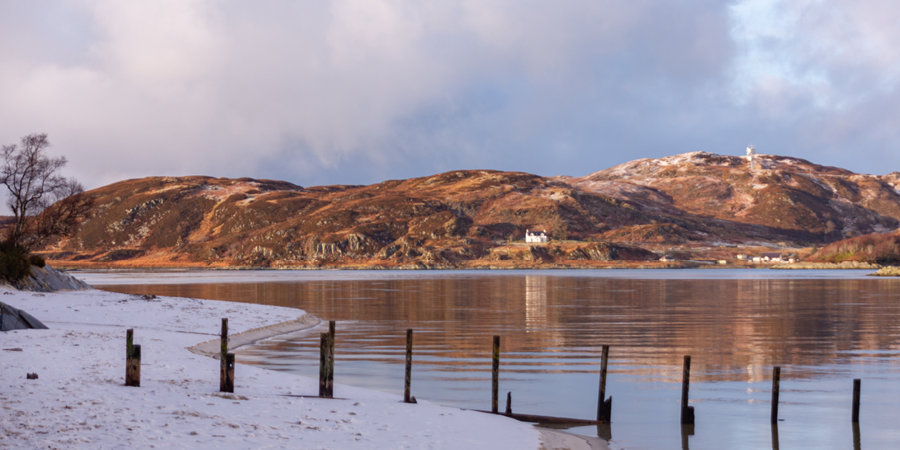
[[604, 406], [133, 368], [495, 376], [408, 381], [776, 386], [856, 388], [229, 373], [223, 350], [329, 380], [509, 402], [687, 412]]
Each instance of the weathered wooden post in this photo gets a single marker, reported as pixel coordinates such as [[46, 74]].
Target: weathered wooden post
[[133, 368], [408, 381], [775, 440], [687, 412], [229, 373], [323, 364], [129, 348], [223, 351], [509, 402], [495, 376], [329, 380], [776, 386], [604, 406], [856, 388], [857, 445]]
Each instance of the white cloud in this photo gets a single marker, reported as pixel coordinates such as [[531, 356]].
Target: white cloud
[[355, 91]]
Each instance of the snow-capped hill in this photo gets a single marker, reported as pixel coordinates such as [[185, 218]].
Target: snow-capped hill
[[775, 191]]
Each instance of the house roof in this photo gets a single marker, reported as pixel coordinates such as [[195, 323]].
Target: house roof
[[771, 255]]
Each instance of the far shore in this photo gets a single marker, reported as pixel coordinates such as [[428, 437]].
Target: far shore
[[617, 265]]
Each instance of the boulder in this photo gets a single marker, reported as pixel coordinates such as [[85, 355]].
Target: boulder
[[16, 319]]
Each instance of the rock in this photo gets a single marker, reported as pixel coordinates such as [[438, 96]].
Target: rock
[[31, 376], [887, 271], [48, 279], [16, 319]]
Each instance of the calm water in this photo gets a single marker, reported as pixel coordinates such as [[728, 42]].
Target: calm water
[[824, 328]]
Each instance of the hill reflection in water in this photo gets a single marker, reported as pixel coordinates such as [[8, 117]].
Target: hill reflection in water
[[822, 330]]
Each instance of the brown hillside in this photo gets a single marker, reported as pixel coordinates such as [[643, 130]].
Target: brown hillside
[[694, 201]]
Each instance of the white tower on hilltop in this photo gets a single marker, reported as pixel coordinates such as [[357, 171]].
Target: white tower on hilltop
[[751, 156]]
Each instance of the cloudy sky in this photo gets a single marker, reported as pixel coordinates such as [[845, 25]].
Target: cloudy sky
[[359, 91]]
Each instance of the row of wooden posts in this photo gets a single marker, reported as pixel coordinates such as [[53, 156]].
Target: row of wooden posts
[[326, 379]]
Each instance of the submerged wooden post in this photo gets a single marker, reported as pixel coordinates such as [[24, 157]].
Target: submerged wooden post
[[776, 386], [775, 441], [408, 380], [687, 412], [323, 364], [329, 380], [223, 350], [509, 402], [604, 406], [229, 373], [495, 375], [133, 368], [129, 348], [856, 388]]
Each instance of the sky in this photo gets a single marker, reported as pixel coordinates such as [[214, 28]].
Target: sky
[[360, 91]]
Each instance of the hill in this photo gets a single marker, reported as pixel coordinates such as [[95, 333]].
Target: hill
[[692, 205]]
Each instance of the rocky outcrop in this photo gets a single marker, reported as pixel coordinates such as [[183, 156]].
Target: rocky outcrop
[[16, 319], [48, 279], [859, 265], [887, 271]]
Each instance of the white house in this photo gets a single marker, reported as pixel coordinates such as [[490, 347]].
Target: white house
[[771, 257], [536, 236]]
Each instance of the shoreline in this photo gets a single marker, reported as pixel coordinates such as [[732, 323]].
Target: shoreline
[[686, 266], [212, 347], [79, 400]]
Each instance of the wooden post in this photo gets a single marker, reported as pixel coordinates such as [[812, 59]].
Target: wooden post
[[223, 351], [129, 349], [229, 373], [776, 386], [856, 388], [323, 364], [329, 380], [857, 445], [495, 375], [604, 406], [686, 431], [687, 412], [509, 402], [133, 368], [775, 441], [408, 381]]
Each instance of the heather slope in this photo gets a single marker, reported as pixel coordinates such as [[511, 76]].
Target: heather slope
[[639, 210]]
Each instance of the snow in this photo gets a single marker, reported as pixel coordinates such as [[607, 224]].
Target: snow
[[79, 400]]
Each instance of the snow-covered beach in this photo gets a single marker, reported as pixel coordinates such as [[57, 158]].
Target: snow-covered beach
[[80, 401]]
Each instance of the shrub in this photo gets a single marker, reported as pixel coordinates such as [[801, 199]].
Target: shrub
[[36, 260], [14, 262]]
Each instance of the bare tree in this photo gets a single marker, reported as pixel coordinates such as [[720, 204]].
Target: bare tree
[[34, 184]]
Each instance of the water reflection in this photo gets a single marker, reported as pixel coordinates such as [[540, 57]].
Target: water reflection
[[821, 331]]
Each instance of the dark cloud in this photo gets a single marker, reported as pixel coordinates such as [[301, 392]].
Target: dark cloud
[[357, 91]]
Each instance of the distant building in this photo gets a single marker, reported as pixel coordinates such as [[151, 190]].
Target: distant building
[[771, 257], [667, 258], [741, 256], [536, 236]]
